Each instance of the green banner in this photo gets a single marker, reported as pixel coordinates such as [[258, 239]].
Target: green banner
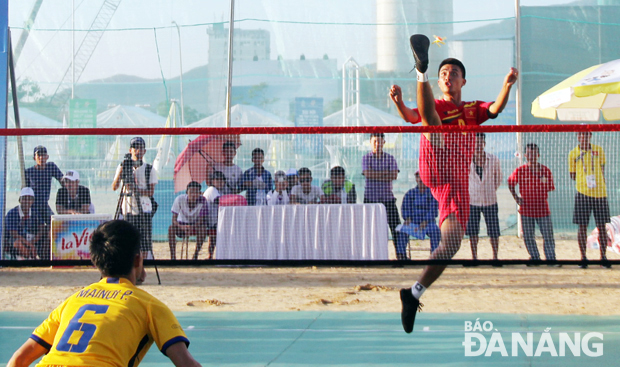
[[83, 114]]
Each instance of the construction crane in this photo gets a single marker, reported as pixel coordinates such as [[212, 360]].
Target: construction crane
[[85, 50]]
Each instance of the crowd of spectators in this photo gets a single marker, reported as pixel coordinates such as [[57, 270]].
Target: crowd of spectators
[[194, 213]]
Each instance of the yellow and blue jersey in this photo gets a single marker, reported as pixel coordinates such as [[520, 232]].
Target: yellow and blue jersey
[[109, 323]]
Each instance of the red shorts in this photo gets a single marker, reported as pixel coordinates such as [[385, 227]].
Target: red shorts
[[446, 174]]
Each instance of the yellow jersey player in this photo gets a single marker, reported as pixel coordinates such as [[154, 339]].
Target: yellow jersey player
[[111, 322]]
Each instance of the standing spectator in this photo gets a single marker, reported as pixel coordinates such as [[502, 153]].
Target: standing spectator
[[212, 194], [338, 190], [485, 176], [22, 229], [39, 179], [305, 193], [229, 169], [535, 181], [586, 165], [139, 180], [279, 195], [291, 176], [189, 218], [420, 209], [257, 180], [72, 198], [380, 169]]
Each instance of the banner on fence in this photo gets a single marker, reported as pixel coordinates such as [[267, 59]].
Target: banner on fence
[[71, 235]]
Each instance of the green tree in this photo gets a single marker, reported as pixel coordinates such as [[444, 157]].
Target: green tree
[[29, 91]]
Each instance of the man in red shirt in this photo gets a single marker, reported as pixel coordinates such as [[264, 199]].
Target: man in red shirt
[[535, 181], [444, 158]]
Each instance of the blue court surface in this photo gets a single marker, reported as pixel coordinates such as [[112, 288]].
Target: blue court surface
[[375, 339]]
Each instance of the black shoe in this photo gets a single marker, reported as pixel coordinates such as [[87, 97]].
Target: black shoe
[[606, 264], [411, 305], [419, 45], [584, 264]]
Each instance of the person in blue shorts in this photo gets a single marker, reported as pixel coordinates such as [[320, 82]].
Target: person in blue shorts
[[39, 178]]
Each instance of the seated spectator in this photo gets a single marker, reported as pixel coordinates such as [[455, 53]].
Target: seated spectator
[[305, 193], [23, 230], [189, 218], [257, 180], [338, 190], [212, 194], [72, 198], [279, 195], [419, 210], [291, 176]]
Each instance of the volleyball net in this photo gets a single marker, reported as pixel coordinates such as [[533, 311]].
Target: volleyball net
[[333, 195]]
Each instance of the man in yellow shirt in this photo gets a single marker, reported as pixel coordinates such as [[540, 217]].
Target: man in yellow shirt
[[111, 322], [586, 164]]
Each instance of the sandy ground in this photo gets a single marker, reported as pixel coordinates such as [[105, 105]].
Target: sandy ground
[[511, 289]]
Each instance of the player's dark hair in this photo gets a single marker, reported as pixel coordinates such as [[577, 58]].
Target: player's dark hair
[[377, 135], [304, 171], [258, 151], [193, 184], [481, 135], [452, 61], [113, 247], [336, 171], [532, 146]]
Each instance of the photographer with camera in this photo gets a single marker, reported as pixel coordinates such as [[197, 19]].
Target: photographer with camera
[[138, 185]]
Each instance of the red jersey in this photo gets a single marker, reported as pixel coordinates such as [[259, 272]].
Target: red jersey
[[446, 171], [533, 187], [468, 113]]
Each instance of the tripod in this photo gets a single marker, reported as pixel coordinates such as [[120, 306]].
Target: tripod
[[118, 213]]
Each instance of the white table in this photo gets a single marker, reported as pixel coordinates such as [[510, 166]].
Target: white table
[[299, 232]]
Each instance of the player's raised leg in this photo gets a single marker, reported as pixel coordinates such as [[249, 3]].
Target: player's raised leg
[[426, 101]]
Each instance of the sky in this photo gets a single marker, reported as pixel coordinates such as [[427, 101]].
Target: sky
[[347, 31]]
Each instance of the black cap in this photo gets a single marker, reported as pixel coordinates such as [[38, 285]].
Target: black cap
[[40, 149], [137, 141]]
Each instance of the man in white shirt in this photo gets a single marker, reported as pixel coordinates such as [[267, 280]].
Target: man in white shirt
[[136, 205], [305, 193], [189, 218], [212, 195], [229, 169], [485, 176], [279, 196]]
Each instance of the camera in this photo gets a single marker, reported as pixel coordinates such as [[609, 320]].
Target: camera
[[127, 175]]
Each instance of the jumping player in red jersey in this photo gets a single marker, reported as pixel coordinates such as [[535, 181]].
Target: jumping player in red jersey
[[444, 157]]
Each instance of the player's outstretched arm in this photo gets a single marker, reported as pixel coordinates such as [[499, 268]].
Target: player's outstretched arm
[[405, 112], [180, 356], [500, 103], [26, 354]]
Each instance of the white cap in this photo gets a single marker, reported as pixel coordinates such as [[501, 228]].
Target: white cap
[[26, 191], [71, 175], [291, 172]]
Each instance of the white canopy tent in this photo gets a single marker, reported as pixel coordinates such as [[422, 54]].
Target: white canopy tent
[[126, 117], [32, 120], [243, 116]]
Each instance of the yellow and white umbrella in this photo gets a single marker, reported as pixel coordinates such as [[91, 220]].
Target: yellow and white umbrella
[[583, 96]]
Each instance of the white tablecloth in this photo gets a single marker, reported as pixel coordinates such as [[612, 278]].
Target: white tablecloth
[[318, 232]]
